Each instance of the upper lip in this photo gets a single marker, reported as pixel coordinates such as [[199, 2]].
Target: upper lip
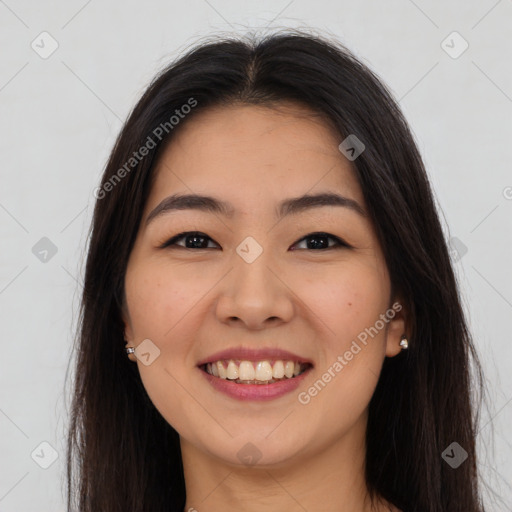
[[251, 354]]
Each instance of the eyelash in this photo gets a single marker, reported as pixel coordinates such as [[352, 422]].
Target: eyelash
[[172, 241]]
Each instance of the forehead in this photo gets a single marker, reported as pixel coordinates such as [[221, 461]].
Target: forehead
[[248, 154]]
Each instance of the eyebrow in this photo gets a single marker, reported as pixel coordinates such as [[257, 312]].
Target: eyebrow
[[287, 207]]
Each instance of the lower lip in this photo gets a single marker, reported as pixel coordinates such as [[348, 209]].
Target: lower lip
[[255, 391]]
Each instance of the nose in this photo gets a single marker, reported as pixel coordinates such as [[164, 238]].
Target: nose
[[254, 294]]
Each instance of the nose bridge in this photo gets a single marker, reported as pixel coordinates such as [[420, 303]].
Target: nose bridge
[[252, 269], [254, 291], [252, 272]]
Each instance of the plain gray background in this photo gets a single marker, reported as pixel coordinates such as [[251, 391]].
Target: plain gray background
[[59, 118]]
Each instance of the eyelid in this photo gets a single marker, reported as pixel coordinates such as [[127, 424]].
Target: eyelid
[[340, 243], [172, 241]]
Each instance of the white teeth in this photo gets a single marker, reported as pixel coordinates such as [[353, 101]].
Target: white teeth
[[221, 369], [232, 371], [255, 372], [289, 367], [246, 371], [278, 370], [263, 370]]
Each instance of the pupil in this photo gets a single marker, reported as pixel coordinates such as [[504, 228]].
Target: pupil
[[195, 238], [316, 245]]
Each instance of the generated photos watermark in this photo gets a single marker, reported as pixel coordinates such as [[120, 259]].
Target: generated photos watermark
[[137, 156], [304, 397]]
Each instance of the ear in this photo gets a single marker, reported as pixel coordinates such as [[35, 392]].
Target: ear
[[127, 322], [128, 331], [397, 327], [125, 316]]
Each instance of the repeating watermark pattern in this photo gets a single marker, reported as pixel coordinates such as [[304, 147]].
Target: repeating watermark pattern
[[249, 249], [457, 249], [147, 352], [454, 455], [454, 45], [351, 147], [137, 156], [44, 250], [304, 397], [45, 45], [44, 455], [249, 454]]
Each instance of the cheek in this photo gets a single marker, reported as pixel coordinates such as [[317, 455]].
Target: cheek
[[346, 299], [158, 301], [162, 308], [351, 304]]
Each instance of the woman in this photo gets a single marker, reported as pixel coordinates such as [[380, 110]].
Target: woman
[[270, 319]]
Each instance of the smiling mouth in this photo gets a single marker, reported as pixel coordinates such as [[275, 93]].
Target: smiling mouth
[[255, 372]]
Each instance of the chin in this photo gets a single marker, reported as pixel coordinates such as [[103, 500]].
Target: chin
[[255, 451]]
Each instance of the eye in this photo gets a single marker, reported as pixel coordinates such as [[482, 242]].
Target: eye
[[198, 240], [323, 244], [196, 243]]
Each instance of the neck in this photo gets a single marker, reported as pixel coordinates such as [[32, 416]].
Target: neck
[[328, 480]]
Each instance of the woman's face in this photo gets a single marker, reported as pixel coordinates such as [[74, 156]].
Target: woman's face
[[254, 282]]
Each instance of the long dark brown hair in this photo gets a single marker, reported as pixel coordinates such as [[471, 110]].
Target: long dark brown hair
[[122, 454]]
